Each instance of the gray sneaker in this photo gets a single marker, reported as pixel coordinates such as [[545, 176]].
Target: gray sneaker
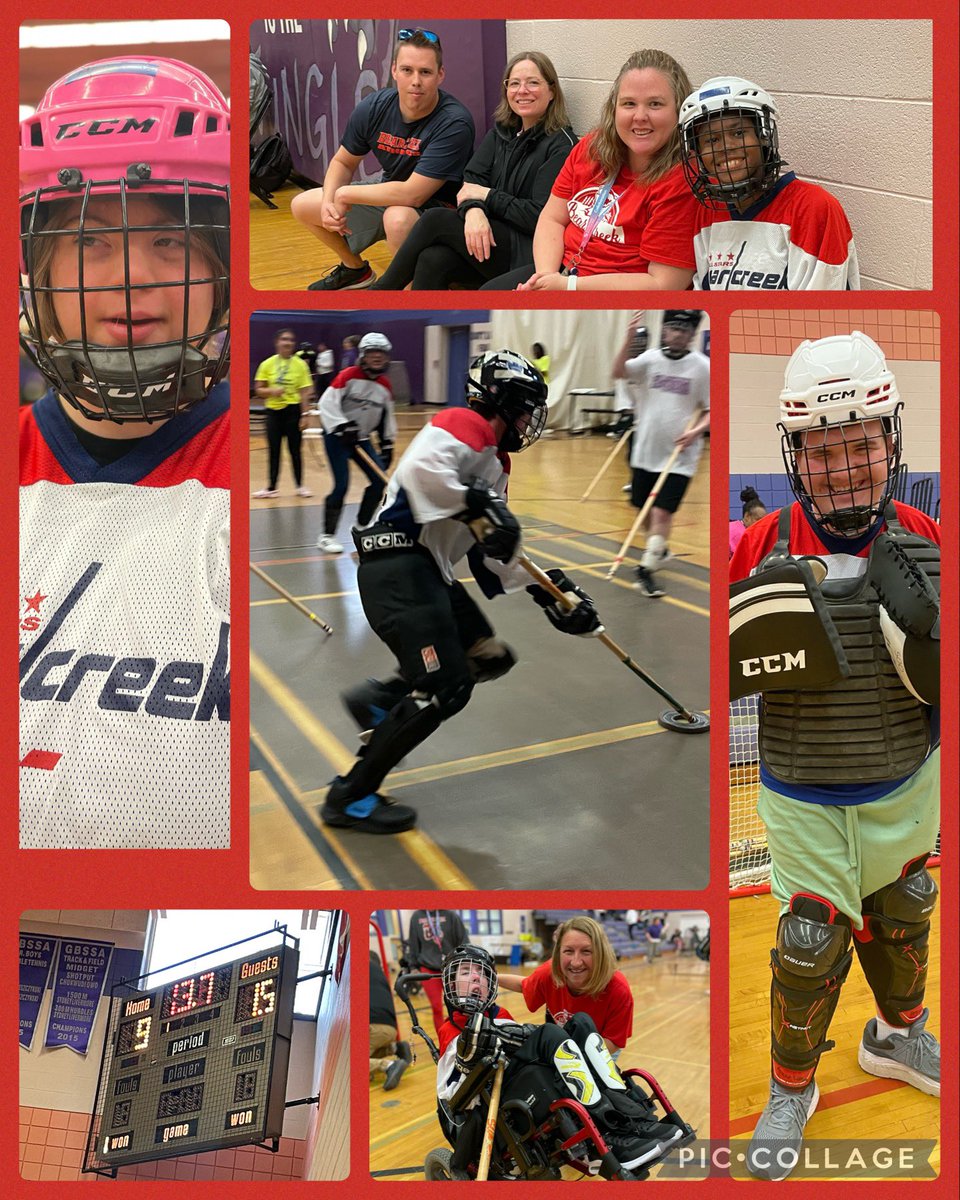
[[775, 1146], [913, 1057]]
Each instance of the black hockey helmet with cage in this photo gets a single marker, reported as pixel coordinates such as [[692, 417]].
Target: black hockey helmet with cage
[[469, 979], [701, 120], [115, 130], [502, 383]]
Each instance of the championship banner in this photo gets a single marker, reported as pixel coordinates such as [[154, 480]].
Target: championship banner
[[78, 983], [36, 956]]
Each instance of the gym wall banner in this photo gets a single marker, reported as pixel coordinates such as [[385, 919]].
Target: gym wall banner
[[78, 982], [36, 957]]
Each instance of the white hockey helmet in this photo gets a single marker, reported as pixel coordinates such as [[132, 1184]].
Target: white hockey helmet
[[844, 382], [377, 342], [724, 96]]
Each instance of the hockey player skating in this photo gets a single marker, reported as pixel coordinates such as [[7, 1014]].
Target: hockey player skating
[[124, 463], [757, 228], [670, 385], [357, 404], [446, 501], [849, 761]]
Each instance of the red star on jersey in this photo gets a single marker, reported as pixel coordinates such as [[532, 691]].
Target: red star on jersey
[[33, 602]]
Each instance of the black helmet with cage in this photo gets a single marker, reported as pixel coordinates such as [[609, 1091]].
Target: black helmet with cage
[[469, 978], [502, 383]]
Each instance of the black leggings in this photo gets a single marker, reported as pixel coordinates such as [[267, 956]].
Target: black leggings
[[434, 255], [284, 423]]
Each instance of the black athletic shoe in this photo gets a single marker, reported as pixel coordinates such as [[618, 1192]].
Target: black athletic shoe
[[345, 279], [405, 1051], [631, 1150], [646, 583], [368, 814], [394, 1071]]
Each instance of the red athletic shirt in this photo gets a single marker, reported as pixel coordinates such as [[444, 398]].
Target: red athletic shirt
[[640, 223], [612, 1010]]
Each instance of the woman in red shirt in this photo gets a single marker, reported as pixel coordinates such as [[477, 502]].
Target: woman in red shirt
[[619, 215], [581, 976]]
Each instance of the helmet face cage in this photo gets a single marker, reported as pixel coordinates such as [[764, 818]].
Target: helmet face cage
[[843, 474], [168, 143], [713, 190], [469, 980], [504, 384]]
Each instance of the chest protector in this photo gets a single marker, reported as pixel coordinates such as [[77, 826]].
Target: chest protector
[[867, 728]]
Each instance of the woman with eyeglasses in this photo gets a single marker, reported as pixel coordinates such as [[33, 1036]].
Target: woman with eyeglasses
[[506, 184], [619, 214]]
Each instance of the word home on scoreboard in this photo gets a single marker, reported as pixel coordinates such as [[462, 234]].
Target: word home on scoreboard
[[196, 1065]]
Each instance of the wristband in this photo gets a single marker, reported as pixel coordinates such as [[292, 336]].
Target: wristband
[[465, 207], [571, 283]]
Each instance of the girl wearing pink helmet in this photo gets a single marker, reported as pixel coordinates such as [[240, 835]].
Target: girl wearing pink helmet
[[124, 463]]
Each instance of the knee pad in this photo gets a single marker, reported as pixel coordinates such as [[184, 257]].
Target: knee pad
[[893, 944], [601, 1062], [575, 1072], [450, 696], [810, 963], [489, 658]]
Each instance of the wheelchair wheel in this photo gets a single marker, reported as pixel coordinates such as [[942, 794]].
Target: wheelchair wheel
[[438, 1165]]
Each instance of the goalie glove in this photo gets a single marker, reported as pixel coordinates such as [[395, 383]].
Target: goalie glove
[[494, 526], [582, 620], [782, 637], [478, 1041], [909, 616]]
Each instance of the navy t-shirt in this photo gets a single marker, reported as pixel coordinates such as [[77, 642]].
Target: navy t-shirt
[[437, 146]]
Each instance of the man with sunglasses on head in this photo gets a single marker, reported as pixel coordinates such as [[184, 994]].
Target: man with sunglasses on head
[[422, 137]]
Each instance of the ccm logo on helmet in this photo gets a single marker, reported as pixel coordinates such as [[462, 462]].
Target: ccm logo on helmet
[[771, 663], [104, 125], [849, 394]]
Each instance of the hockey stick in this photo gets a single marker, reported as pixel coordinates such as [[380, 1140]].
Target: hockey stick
[[374, 466], [681, 719], [648, 503], [613, 453], [292, 599], [491, 1127]]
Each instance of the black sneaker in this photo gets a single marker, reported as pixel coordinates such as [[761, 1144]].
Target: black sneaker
[[394, 1071], [405, 1051], [368, 814], [345, 279], [646, 583], [631, 1150]]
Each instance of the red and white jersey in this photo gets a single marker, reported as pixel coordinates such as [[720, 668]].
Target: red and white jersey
[[354, 396], [795, 239], [429, 489], [666, 394], [449, 1075], [845, 558], [124, 635]]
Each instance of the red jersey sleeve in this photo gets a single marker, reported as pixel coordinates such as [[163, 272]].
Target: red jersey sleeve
[[618, 1021], [534, 987], [917, 522], [754, 546]]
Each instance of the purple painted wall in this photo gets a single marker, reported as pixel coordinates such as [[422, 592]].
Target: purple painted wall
[[403, 328], [322, 69]]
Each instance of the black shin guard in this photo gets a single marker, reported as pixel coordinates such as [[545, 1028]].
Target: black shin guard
[[368, 503], [411, 722], [892, 946], [810, 963]]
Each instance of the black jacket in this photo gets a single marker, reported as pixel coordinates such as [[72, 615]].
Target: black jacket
[[520, 171]]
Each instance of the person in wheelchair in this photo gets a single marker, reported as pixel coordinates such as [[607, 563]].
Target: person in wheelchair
[[543, 1064]]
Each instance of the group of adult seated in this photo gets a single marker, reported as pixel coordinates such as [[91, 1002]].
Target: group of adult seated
[[673, 187]]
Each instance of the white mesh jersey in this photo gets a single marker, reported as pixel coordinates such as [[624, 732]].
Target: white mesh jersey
[[429, 489], [354, 396], [124, 635], [667, 392]]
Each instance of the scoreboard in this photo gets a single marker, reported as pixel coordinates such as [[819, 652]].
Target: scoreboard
[[198, 1064]]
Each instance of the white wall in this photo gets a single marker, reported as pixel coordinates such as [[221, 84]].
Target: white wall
[[855, 101], [755, 384]]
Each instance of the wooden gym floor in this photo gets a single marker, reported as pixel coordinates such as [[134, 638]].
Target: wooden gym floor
[[284, 255], [556, 776], [671, 1040], [853, 1104]]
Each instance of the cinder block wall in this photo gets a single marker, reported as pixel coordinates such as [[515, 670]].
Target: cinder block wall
[[855, 101]]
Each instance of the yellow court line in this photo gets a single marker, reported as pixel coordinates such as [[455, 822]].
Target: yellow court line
[[337, 845], [385, 1139], [702, 585], [418, 845], [599, 571], [302, 599]]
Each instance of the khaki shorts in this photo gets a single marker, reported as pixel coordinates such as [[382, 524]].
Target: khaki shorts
[[846, 852]]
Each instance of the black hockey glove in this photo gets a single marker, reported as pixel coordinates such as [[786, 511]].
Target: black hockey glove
[[583, 620], [386, 454], [478, 1041], [348, 433], [909, 613], [494, 526], [512, 1036]]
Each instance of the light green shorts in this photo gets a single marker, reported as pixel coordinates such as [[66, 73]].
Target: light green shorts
[[844, 853]]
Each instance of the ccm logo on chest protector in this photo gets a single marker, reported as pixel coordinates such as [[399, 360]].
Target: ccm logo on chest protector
[[770, 664]]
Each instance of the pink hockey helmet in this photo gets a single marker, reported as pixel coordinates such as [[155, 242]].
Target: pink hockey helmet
[[122, 128]]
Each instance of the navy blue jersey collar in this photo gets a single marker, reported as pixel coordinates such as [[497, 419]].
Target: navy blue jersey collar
[[151, 452], [755, 209], [840, 545]]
